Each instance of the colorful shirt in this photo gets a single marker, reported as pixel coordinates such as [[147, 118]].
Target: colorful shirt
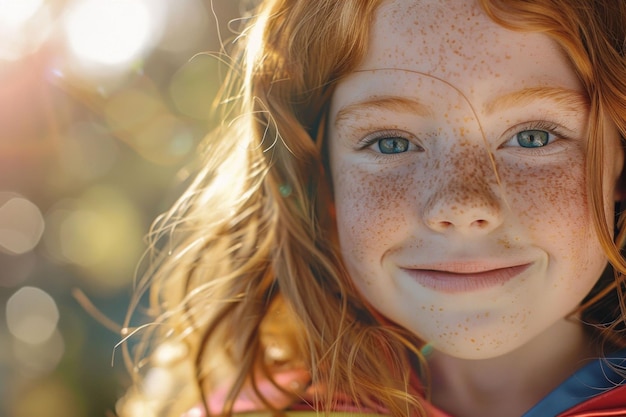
[[596, 390]]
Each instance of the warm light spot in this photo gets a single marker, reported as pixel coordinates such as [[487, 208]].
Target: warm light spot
[[40, 358], [158, 383], [21, 225], [16, 12], [169, 353], [109, 32], [32, 315], [101, 232], [194, 412], [24, 26], [136, 407], [77, 244]]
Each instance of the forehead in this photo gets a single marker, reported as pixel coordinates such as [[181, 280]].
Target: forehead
[[455, 41]]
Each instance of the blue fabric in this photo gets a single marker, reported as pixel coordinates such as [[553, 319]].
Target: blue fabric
[[591, 380]]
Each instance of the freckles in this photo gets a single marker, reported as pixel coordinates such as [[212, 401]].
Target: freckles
[[466, 181], [548, 193], [372, 207], [550, 202], [499, 336], [478, 332], [505, 243]]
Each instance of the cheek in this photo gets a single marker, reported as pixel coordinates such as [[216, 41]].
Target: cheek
[[372, 208], [551, 197], [549, 204]]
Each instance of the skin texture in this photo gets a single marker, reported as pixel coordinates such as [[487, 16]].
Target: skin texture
[[465, 197]]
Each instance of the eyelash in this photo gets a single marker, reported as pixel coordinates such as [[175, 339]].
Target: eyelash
[[550, 127], [373, 138]]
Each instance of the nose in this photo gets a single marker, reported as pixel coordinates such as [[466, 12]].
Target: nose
[[464, 205]]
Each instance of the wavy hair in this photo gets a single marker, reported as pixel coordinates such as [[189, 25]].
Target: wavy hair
[[250, 278], [592, 33]]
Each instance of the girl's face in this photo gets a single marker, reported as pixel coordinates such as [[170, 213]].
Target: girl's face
[[457, 152]]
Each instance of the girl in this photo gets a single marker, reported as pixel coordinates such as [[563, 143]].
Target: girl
[[410, 212]]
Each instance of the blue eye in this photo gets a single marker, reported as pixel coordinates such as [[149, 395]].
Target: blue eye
[[392, 145], [532, 138]]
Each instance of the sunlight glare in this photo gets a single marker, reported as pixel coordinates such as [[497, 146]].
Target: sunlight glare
[[16, 12], [24, 26], [109, 32]]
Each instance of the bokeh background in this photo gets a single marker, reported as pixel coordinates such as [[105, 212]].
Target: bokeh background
[[102, 106]]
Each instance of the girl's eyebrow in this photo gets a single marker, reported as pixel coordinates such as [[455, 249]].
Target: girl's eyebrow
[[393, 103], [571, 100]]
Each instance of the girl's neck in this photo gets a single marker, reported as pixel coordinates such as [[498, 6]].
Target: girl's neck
[[511, 384]]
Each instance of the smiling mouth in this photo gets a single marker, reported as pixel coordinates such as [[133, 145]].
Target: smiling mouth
[[458, 280]]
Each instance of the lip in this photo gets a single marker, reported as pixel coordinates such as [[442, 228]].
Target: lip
[[464, 277]]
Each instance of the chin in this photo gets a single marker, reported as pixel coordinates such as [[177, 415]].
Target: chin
[[473, 350]]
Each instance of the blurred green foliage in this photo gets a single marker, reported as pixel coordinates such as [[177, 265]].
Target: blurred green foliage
[[90, 154]]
